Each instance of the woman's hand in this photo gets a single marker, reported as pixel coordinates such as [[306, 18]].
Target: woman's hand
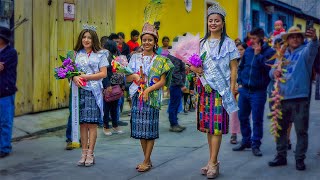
[[85, 77], [78, 80], [197, 70], [146, 94]]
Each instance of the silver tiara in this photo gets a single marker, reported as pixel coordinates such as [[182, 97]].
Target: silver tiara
[[216, 9], [90, 27]]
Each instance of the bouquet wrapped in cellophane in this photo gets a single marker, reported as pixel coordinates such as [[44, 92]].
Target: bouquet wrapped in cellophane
[[187, 49], [120, 65]]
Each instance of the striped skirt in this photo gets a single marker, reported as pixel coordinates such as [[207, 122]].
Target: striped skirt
[[212, 118], [88, 108], [144, 120]]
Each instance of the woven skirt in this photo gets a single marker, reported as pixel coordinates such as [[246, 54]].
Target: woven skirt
[[88, 108], [144, 120], [212, 118]]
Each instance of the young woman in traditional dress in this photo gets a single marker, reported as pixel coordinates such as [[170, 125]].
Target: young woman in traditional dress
[[151, 73], [216, 86], [93, 62]]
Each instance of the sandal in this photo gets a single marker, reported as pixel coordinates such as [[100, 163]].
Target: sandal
[[90, 159], [233, 139], [204, 170], [138, 166], [213, 170], [144, 168], [83, 157]]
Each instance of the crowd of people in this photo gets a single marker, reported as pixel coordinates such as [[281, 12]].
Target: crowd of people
[[232, 85]]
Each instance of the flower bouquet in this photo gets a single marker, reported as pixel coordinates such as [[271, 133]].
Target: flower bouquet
[[68, 69], [120, 65], [187, 49]]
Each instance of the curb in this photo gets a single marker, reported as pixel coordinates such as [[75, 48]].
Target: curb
[[57, 128]]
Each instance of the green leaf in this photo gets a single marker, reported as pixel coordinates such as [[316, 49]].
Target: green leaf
[[203, 56], [62, 58], [71, 54]]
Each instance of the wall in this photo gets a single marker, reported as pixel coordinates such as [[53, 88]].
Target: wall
[[302, 22], [39, 42], [174, 19]]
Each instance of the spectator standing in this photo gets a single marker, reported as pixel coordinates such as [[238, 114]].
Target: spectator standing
[[176, 88], [133, 42], [234, 119], [296, 104], [253, 80], [8, 78]]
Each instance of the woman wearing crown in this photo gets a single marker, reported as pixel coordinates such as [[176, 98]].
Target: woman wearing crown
[[93, 62], [217, 85], [152, 72]]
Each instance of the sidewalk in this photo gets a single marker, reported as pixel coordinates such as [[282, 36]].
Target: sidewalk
[[49, 121]]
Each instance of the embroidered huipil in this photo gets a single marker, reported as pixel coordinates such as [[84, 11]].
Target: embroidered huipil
[[92, 65], [216, 68], [153, 67]]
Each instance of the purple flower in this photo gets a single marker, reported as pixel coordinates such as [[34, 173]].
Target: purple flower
[[195, 60], [61, 73], [70, 68], [67, 62]]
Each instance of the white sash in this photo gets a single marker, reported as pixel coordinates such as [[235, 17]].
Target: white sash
[[215, 77], [75, 115]]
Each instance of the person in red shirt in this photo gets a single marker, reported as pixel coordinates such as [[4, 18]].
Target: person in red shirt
[[132, 43]]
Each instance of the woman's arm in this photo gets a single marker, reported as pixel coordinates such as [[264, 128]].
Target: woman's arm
[[234, 72], [96, 76], [154, 87]]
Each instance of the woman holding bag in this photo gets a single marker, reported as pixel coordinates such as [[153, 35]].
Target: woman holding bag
[[110, 82]]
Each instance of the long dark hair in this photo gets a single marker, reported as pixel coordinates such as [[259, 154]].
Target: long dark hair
[[95, 41], [223, 34]]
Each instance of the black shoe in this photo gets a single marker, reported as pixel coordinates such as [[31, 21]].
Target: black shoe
[[256, 152], [192, 109], [241, 147], [3, 154], [300, 165], [121, 123], [278, 161], [289, 146], [69, 146]]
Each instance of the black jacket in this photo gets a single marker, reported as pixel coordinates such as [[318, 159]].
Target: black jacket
[[179, 72], [8, 76]]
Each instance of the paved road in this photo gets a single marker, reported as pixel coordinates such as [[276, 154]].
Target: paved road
[[176, 156]]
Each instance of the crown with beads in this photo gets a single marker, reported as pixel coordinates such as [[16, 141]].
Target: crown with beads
[[149, 29], [216, 9], [89, 27]]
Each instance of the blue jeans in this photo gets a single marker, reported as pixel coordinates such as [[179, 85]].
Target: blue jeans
[[6, 122], [175, 101], [251, 102]]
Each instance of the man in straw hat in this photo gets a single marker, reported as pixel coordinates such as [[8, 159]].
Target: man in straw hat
[[8, 76], [296, 90]]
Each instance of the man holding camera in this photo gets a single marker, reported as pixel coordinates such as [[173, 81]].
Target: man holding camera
[[296, 103]]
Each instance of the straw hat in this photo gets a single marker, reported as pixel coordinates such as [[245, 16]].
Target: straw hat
[[292, 30]]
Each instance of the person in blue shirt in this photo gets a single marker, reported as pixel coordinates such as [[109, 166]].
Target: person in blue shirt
[[8, 78], [296, 93], [253, 80]]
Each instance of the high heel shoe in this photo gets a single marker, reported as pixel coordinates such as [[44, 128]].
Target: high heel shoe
[[213, 170], [204, 170], [90, 159], [83, 157]]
